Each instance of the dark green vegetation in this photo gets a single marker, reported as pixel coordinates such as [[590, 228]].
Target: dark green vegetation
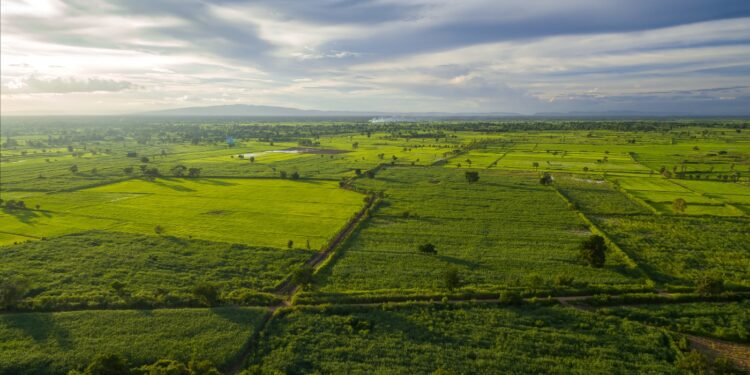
[[53, 343], [726, 320], [514, 235], [106, 270], [460, 339]]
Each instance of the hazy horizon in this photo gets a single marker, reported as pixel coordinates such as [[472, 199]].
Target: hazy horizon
[[123, 57]]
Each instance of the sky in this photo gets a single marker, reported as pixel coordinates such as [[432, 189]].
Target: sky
[[473, 56]]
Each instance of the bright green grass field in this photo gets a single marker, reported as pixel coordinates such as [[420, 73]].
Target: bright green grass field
[[506, 230], [54, 343], [679, 249], [78, 270], [259, 212], [418, 339], [724, 320]]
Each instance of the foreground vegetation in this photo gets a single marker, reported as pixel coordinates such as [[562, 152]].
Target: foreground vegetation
[[53, 343]]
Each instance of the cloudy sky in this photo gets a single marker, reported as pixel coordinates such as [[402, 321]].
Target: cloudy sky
[[112, 57]]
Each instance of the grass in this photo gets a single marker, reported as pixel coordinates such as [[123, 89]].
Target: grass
[[486, 230], [54, 343], [424, 339], [78, 270], [256, 212]]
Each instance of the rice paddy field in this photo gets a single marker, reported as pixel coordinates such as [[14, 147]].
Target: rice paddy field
[[349, 246]]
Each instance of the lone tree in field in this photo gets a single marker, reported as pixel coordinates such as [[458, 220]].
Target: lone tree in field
[[295, 175], [194, 172], [303, 276], [73, 168], [593, 250], [206, 293], [679, 205], [472, 176], [427, 248], [452, 279], [11, 293], [535, 165], [158, 229], [546, 179]]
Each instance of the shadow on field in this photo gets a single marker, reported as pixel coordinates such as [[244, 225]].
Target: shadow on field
[[232, 314], [211, 181], [459, 262], [26, 216], [38, 326], [173, 186]]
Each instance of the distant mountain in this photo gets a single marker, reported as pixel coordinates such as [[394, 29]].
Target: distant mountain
[[272, 111]]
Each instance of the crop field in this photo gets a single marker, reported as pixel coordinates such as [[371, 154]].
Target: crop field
[[355, 246], [481, 228], [472, 339], [54, 343], [255, 212], [725, 320], [679, 249], [79, 270]]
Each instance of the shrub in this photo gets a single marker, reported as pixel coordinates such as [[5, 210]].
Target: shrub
[[452, 278], [427, 248], [207, 293]]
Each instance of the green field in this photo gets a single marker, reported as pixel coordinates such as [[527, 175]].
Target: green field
[[78, 270], [350, 246], [468, 339], [725, 320], [53, 343], [260, 212], [483, 229]]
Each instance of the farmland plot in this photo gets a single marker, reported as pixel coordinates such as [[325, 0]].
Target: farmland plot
[[506, 230]]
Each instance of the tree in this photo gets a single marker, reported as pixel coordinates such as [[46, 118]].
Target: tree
[[510, 298], [593, 250], [427, 248], [535, 165], [290, 244], [158, 229], [128, 170], [74, 168], [355, 145], [178, 170], [452, 278], [12, 292], [472, 176], [194, 172], [708, 284], [144, 160], [295, 175], [108, 364], [546, 179], [679, 205], [303, 276], [207, 293]]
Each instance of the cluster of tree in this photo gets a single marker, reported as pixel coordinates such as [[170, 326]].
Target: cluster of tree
[[182, 171], [294, 176], [114, 364], [546, 179], [12, 204]]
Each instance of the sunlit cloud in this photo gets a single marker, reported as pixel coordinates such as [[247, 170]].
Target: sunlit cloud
[[381, 55]]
